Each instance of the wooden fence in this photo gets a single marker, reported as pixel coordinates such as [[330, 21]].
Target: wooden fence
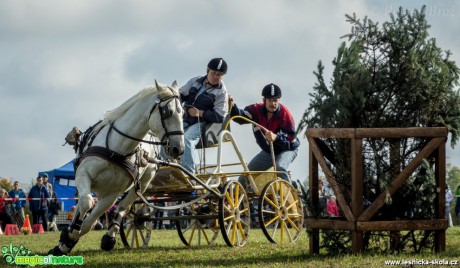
[[357, 219]]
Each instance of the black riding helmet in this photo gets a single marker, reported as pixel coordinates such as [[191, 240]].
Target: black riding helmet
[[271, 91], [218, 65]]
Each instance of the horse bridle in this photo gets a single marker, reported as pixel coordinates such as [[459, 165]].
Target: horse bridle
[[165, 113]]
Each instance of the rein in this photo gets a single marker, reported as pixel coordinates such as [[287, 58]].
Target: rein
[[164, 114], [134, 138], [264, 130]]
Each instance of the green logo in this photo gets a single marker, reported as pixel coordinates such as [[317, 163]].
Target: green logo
[[21, 256], [10, 253]]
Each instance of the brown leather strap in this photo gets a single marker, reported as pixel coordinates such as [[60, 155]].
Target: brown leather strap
[[111, 156]]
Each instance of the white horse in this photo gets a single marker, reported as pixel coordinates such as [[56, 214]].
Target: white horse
[[155, 110]]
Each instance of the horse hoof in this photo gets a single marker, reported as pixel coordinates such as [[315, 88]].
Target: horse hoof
[[55, 251], [66, 240], [107, 242]]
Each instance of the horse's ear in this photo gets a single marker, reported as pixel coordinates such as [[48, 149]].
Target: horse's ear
[[174, 84], [159, 87]]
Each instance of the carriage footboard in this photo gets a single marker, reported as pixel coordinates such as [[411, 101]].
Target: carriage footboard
[[191, 175]]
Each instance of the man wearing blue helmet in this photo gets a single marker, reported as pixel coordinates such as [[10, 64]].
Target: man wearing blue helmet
[[280, 126]]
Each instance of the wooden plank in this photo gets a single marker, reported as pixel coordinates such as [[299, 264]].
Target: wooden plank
[[357, 239], [331, 179], [401, 225], [330, 224], [357, 177], [440, 175], [314, 194], [357, 242], [401, 132], [401, 178], [377, 132], [440, 240], [313, 178], [330, 133], [326, 151], [395, 168]]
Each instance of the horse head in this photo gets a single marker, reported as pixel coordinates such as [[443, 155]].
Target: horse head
[[169, 113]]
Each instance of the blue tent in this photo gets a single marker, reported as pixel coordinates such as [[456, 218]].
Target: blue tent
[[63, 181]]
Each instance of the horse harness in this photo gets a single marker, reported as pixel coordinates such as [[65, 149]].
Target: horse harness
[[121, 160]]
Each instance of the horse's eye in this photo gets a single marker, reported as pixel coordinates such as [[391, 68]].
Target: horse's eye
[[165, 112]]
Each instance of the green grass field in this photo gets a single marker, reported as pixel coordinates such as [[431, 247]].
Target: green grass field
[[166, 250]]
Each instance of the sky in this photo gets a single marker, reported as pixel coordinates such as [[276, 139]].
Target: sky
[[65, 63]]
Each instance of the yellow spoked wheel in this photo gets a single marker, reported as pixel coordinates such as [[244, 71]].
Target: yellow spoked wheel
[[280, 212], [136, 227], [199, 225], [234, 214]]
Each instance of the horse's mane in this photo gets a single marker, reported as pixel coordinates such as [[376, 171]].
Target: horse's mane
[[112, 115]]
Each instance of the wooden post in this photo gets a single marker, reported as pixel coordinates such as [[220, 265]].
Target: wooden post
[[313, 183], [357, 192], [395, 167], [440, 200]]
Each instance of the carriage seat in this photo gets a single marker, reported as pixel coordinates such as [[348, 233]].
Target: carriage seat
[[169, 179], [210, 134]]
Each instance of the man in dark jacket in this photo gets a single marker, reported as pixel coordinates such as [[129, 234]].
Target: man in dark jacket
[[278, 121], [39, 204], [205, 100]]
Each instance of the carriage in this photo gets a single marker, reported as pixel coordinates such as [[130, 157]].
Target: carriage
[[111, 162], [215, 200]]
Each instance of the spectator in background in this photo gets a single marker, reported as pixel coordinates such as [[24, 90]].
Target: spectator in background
[[72, 211], [39, 204], [18, 205], [158, 224], [97, 224], [321, 197], [332, 208], [449, 200], [48, 185], [457, 205], [109, 215], [4, 217], [53, 211]]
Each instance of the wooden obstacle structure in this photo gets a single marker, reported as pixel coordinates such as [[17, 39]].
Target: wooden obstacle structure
[[357, 219]]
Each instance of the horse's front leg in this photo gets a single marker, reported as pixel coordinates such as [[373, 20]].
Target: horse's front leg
[[101, 207], [70, 236]]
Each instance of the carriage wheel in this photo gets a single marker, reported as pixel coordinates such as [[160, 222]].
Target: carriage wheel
[[136, 228], [234, 214], [198, 232], [280, 212]]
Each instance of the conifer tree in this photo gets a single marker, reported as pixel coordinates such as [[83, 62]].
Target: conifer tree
[[392, 75]]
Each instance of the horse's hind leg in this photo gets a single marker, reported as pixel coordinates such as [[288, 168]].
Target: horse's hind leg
[[124, 204]]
